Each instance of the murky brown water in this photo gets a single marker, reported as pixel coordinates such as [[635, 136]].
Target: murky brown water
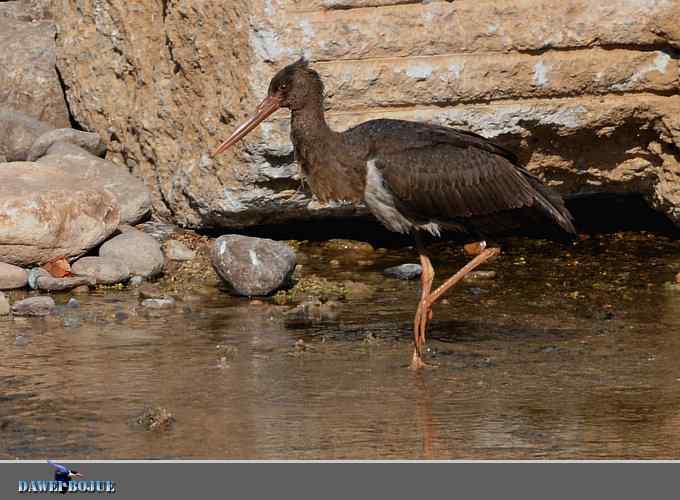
[[567, 354]]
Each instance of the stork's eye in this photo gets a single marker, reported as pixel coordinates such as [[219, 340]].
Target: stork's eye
[[283, 86]]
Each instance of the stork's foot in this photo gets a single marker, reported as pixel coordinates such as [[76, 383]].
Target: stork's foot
[[417, 362]]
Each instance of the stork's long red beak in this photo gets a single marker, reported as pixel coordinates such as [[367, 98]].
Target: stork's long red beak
[[268, 105]]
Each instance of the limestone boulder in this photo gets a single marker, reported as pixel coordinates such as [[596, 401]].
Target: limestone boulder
[[45, 213], [252, 266], [28, 77], [586, 92], [132, 195]]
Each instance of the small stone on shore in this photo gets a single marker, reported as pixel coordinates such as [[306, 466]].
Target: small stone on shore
[[12, 277], [34, 306], [404, 271]]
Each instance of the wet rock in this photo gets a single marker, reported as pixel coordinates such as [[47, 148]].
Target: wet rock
[[103, 270], [351, 246], [33, 275], [45, 213], [312, 311], [161, 303], [89, 141], [479, 276], [12, 277], [139, 251], [28, 79], [4, 305], [357, 290], [155, 418], [34, 306], [252, 266], [176, 250], [149, 291], [132, 195], [52, 284], [404, 271]]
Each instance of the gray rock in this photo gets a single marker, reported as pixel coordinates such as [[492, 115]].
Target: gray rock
[[89, 141], [136, 281], [18, 132], [34, 274], [12, 277], [34, 306], [475, 276], [46, 213], [252, 266], [404, 271], [73, 303], [176, 250], [102, 270], [52, 284], [141, 252], [4, 305], [132, 195], [159, 303], [28, 80]]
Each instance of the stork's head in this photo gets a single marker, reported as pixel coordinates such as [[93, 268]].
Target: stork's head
[[293, 87]]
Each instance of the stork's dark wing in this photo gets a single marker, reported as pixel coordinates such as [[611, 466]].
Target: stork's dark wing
[[452, 178]]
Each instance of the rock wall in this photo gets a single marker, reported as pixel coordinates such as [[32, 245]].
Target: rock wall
[[588, 92], [28, 78]]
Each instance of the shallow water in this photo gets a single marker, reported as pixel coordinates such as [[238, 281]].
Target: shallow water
[[568, 353]]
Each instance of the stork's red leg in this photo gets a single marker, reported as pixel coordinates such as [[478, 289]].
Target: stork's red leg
[[424, 311]]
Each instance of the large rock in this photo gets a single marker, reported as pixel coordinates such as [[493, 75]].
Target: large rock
[[132, 195], [586, 91], [252, 266], [12, 277], [28, 76], [45, 214], [18, 132], [140, 252], [34, 306], [102, 270]]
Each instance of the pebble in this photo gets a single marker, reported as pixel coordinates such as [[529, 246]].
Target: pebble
[[404, 271], [104, 271], [34, 274], [51, 284], [12, 277], [140, 252], [4, 305], [479, 276], [136, 281], [159, 303], [176, 250], [73, 303], [34, 306]]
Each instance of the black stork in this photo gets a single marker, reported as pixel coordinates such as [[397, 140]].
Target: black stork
[[414, 177]]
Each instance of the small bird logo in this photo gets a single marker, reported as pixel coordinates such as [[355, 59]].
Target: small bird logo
[[63, 475]]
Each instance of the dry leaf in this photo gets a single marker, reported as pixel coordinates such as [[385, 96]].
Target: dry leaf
[[59, 267]]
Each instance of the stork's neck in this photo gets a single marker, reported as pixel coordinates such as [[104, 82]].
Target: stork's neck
[[309, 123]]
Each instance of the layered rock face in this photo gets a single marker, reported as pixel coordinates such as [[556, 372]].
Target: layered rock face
[[586, 92]]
